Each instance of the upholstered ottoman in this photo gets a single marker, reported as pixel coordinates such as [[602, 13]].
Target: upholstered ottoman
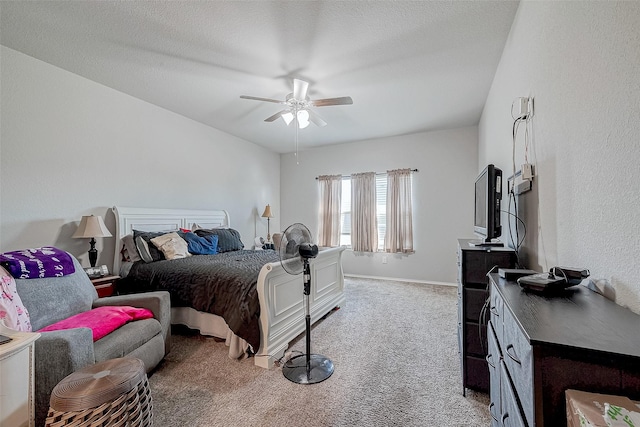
[[110, 393]]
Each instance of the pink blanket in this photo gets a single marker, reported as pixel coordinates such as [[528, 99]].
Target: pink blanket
[[102, 320]]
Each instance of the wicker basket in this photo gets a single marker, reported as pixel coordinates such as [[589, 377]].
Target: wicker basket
[[110, 393]]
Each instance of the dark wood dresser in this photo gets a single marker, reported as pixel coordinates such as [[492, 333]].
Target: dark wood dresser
[[474, 262], [539, 346]]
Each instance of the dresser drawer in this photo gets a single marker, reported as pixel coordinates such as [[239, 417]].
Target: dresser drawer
[[105, 286], [511, 415], [495, 416], [477, 373], [517, 354], [475, 339], [474, 301], [478, 263], [493, 361], [496, 309], [474, 270]]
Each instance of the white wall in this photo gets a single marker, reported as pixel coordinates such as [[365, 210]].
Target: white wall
[[443, 196], [581, 63], [72, 147]]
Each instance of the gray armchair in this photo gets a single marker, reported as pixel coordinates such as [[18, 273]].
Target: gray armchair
[[60, 353]]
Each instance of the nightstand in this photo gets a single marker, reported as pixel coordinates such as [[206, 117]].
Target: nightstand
[[106, 286], [17, 379]]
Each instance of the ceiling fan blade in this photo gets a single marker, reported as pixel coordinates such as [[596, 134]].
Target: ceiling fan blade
[[316, 119], [300, 89], [344, 100], [276, 116], [255, 98]]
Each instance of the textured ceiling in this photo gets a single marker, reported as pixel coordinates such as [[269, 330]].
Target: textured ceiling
[[409, 66]]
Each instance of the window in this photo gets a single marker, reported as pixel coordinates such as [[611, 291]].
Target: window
[[381, 210], [388, 196]]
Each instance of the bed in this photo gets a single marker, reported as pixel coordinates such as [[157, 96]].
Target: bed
[[280, 316]]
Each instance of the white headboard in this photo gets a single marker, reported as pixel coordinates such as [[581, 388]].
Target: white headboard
[[148, 219]]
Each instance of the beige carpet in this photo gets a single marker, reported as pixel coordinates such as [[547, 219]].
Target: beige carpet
[[394, 347]]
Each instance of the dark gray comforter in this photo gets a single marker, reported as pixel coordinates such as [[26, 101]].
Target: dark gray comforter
[[222, 284]]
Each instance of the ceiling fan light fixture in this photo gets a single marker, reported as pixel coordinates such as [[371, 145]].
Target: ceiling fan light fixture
[[287, 117], [303, 119], [300, 108]]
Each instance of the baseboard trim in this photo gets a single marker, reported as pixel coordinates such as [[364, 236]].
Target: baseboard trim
[[398, 279]]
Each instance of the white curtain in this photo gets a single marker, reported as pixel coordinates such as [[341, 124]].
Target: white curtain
[[330, 196], [364, 221], [399, 233]]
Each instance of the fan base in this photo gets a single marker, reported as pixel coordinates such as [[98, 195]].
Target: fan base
[[320, 368]]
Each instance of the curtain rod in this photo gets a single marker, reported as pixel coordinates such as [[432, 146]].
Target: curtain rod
[[377, 173]]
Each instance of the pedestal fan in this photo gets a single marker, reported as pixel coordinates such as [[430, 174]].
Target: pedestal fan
[[296, 248]]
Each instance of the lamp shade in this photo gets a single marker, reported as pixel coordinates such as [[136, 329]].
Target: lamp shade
[[91, 226], [267, 212]]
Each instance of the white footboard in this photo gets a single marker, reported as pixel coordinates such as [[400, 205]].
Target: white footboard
[[281, 301]]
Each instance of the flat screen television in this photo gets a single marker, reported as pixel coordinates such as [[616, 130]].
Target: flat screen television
[[486, 222]]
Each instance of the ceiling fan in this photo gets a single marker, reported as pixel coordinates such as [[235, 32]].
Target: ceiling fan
[[298, 105]]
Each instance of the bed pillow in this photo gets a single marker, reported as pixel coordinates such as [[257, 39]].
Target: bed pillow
[[143, 249], [147, 250], [195, 227], [228, 238], [102, 320], [13, 314], [129, 251], [206, 245], [171, 245]]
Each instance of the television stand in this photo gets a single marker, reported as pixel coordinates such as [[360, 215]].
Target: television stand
[[481, 243]]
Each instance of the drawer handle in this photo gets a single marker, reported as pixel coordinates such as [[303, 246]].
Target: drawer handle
[[504, 417], [491, 412], [494, 311], [513, 356], [488, 359]]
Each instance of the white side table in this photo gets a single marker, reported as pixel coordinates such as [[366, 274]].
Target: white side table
[[16, 379]]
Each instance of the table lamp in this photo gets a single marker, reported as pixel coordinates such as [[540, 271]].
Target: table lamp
[[267, 214], [91, 226]]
